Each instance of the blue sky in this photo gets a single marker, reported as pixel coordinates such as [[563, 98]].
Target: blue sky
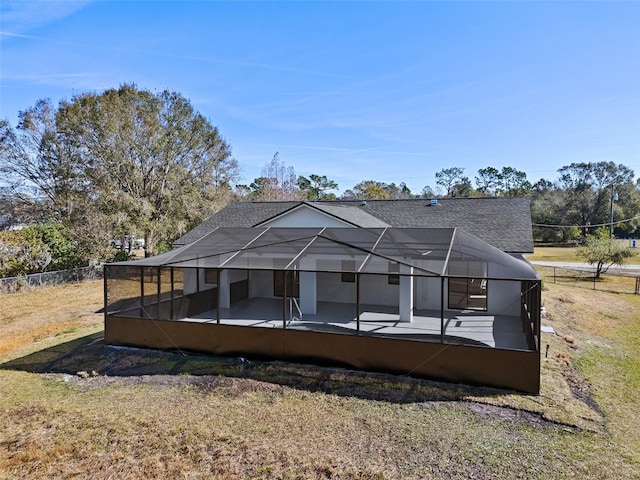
[[389, 91]]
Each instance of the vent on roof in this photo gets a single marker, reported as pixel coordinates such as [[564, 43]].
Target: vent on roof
[[364, 202], [433, 202]]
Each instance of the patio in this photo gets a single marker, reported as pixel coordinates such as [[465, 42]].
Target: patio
[[460, 327]]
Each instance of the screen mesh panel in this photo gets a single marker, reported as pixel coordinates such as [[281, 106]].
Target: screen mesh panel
[[416, 251]]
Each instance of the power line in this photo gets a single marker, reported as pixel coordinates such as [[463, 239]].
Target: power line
[[627, 220]]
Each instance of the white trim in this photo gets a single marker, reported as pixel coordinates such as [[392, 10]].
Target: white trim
[[267, 223]]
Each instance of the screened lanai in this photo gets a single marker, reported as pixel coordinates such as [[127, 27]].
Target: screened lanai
[[426, 285], [393, 281]]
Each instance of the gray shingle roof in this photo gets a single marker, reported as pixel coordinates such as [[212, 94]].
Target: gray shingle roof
[[350, 213], [504, 223]]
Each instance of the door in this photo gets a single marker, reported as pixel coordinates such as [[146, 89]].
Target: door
[[293, 283]]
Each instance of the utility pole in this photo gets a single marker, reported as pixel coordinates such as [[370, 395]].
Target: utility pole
[[614, 197]]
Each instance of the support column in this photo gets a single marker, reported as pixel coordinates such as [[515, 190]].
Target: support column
[[172, 313], [142, 287], [284, 300], [308, 293], [441, 309], [405, 294], [224, 292], [358, 302], [218, 296], [159, 290], [142, 312], [105, 278]]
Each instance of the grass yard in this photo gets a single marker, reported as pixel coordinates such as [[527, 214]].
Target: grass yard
[[566, 254], [101, 412], [554, 254]]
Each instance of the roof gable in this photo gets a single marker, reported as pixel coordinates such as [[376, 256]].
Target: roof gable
[[504, 223], [317, 214], [305, 215]]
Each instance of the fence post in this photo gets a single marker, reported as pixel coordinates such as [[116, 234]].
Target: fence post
[[105, 288]]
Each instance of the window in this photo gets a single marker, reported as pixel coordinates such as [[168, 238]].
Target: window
[[293, 283], [393, 278], [348, 271], [468, 294], [210, 275]]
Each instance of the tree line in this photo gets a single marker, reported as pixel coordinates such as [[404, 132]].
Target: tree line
[[129, 163], [584, 196]]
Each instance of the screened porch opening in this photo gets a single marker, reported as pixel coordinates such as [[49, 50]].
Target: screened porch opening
[[431, 285]]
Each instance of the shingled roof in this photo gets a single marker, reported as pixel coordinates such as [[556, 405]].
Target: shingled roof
[[504, 223]]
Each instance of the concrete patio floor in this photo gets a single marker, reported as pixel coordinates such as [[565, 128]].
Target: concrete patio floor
[[460, 327]]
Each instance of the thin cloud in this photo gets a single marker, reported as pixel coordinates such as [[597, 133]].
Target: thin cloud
[[325, 148], [20, 15], [66, 80], [44, 78], [238, 63], [18, 35]]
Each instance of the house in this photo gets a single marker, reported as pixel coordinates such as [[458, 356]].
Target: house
[[431, 288]]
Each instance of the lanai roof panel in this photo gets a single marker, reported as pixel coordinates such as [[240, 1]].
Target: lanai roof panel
[[430, 251]]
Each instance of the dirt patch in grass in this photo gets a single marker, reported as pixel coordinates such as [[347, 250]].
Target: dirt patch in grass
[[581, 388], [509, 414]]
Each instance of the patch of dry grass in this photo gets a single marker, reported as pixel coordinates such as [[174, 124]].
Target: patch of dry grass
[[618, 282], [562, 254], [246, 429], [554, 254], [601, 334], [227, 419], [33, 320]]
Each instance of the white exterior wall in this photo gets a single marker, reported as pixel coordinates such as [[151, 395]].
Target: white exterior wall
[[406, 298], [330, 288], [261, 284], [224, 291], [503, 297], [374, 290], [428, 293], [191, 283], [308, 293], [305, 216], [238, 275]]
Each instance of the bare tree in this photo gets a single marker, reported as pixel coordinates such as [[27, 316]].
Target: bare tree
[[278, 182]]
